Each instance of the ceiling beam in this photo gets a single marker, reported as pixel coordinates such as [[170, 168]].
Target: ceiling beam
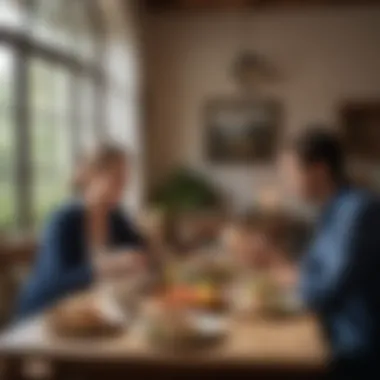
[[215, 5]]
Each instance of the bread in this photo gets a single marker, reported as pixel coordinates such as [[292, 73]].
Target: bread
[[80, 320]]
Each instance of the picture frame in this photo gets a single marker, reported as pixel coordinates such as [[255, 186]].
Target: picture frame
[[241, 131]]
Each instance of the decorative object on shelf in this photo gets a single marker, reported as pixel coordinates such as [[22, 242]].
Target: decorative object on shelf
[[241, 130], [250, 69]]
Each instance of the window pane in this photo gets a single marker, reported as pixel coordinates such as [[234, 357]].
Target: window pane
[[7, 142], [50, 137], [42, 88], [88, 127], [83, 37], [51, 22], [66, 24], [119, 125], [13, 14]]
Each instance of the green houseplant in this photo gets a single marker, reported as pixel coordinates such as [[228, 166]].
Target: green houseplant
[[191, 206], [185, 191]]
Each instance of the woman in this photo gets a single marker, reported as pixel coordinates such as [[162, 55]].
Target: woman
[[79, 235]]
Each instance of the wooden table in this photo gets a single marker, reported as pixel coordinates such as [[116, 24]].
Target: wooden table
[[290, 348]]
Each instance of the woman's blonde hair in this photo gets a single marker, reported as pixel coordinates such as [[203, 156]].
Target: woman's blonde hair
[[99, 156]]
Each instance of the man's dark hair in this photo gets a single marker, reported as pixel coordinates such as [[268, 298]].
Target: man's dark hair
[[319, 145]]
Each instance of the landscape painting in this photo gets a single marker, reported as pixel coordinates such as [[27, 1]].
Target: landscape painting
[[241, 131]]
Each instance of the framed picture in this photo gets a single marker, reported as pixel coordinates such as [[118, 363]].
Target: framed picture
[[240, 131], [361, 130]]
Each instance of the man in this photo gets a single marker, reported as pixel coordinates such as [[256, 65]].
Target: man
[[339, 277]]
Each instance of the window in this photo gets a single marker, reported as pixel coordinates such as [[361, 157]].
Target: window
[[87, 111], [50, 91], [7, 141], [50, 134]]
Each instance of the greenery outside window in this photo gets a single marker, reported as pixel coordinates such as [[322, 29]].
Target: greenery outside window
[[51, 89]]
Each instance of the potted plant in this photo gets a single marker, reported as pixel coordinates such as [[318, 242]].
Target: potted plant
[[191, 204]]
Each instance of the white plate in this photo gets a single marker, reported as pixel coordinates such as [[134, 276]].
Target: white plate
[[209, 325], [111, 310]]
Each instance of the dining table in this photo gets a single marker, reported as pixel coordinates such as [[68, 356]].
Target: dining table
[[289, 347]]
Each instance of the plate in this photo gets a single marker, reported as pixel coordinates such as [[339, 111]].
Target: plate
[[209, 325], [187, 331]]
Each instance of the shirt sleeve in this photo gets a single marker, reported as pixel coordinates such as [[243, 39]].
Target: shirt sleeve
[[348, 256], [65, 274]]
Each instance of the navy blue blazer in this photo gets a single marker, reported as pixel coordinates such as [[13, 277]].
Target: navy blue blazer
[[63, 265], [340, 276]]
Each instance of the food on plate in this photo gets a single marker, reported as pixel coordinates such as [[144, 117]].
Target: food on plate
[[260, 295], [207, 269], [197, 297], [172, 329], [179, 328], [80, 319]]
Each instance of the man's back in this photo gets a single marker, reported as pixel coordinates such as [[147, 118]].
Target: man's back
[[341, 278]]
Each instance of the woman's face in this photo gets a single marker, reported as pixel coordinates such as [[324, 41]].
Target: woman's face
[[107, 185]]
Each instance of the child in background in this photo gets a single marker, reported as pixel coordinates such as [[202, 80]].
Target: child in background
[[257, 245], [247, 241]]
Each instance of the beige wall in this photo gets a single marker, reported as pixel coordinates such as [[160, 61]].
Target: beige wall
[[324, 56]]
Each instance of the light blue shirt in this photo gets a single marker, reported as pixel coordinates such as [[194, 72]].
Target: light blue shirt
[[340, 274]]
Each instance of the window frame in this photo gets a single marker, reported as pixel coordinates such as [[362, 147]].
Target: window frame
[[24, 48]]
